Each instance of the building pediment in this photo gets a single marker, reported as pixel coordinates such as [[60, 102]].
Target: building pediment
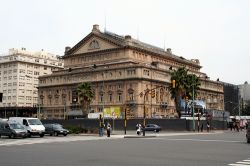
[[93, 42]]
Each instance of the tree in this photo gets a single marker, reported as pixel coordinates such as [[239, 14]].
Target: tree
[[246, 109], [86, 95], [182, 85]]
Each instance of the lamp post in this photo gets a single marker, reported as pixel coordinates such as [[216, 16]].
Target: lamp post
[[64, 108], [144, 111], [16, 110], [103, 97], [193, 101], [4, 111], [39, 110]]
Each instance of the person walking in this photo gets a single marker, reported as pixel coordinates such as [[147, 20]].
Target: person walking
[[108, 130], [102, 129], [138, 129], [208, 126]]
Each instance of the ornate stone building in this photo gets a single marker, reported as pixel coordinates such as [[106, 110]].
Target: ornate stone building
[[121, 69]]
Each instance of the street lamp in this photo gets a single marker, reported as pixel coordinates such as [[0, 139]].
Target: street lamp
[[64, 108], [16, 110], [103, 97], [193, 101], [144, 111]]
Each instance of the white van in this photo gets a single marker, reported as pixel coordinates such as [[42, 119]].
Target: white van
[[33, 125]]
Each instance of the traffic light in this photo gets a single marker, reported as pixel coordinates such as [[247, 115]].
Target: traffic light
[[186, 98], [127, 113], [153, 93], [173, 83]]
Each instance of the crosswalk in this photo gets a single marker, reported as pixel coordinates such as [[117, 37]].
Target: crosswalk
[[45, 140], [242, 163]]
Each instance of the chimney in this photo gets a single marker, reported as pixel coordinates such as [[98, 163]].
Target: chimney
[[128, 39], [96, 28], [169, 51], [67, 49]]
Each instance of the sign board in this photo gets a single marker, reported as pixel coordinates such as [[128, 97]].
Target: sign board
[[111, 111]]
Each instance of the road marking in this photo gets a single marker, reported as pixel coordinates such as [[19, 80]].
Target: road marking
[[53, 140], [200, 140], [242, 163]]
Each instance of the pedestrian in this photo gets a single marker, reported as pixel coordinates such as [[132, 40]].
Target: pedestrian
[[208, 126], [201, 127], [234, 125], [108, 130], [198, 125], [138, 129], [231, 126], [102, 129]]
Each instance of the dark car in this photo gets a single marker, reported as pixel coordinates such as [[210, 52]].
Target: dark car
[[248, 134], [152, 127], [12, 129], [55, 129]]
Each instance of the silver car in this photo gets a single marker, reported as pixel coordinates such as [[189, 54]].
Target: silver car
[[12, 130]]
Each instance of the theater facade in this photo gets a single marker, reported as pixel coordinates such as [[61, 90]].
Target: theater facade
[[121, 69]]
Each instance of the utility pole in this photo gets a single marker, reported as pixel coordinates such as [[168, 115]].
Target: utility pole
[[193, 102]]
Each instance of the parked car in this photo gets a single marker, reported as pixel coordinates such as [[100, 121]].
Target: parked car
[[33, 125], [152, 127], [55, 129], [12, 129], [248, 134]]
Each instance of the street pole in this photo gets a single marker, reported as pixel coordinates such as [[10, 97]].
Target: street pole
[[193, 102], [144, 114], [16, 110], [5, 112], [64, 110], [38, 113], [103, 98]]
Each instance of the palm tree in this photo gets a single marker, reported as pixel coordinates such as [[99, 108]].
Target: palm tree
[[192, 81], [86, 95], [182, 86]]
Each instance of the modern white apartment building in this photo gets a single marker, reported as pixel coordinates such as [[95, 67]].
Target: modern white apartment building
[[19, 72]]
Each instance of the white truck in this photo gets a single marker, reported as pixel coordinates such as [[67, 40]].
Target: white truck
[[33, 125]]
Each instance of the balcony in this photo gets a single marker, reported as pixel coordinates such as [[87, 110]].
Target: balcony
[[130, 102], [164, 105]]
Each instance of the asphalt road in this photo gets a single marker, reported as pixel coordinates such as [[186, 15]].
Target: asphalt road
[[174, 149]]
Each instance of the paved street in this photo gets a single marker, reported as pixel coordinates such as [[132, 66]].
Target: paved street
[[168, 148]]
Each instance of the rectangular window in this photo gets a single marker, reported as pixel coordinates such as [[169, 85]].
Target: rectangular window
[[21, 71], [110, 97], [119, 97], [101, 97], [30, 72], [36, 73]]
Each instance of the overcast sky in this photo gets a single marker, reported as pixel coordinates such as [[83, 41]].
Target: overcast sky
[[214, 31]]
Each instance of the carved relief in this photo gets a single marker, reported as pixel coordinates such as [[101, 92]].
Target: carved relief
[[94, 45]]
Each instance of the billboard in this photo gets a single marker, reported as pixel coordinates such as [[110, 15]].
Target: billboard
[[112, 112]]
